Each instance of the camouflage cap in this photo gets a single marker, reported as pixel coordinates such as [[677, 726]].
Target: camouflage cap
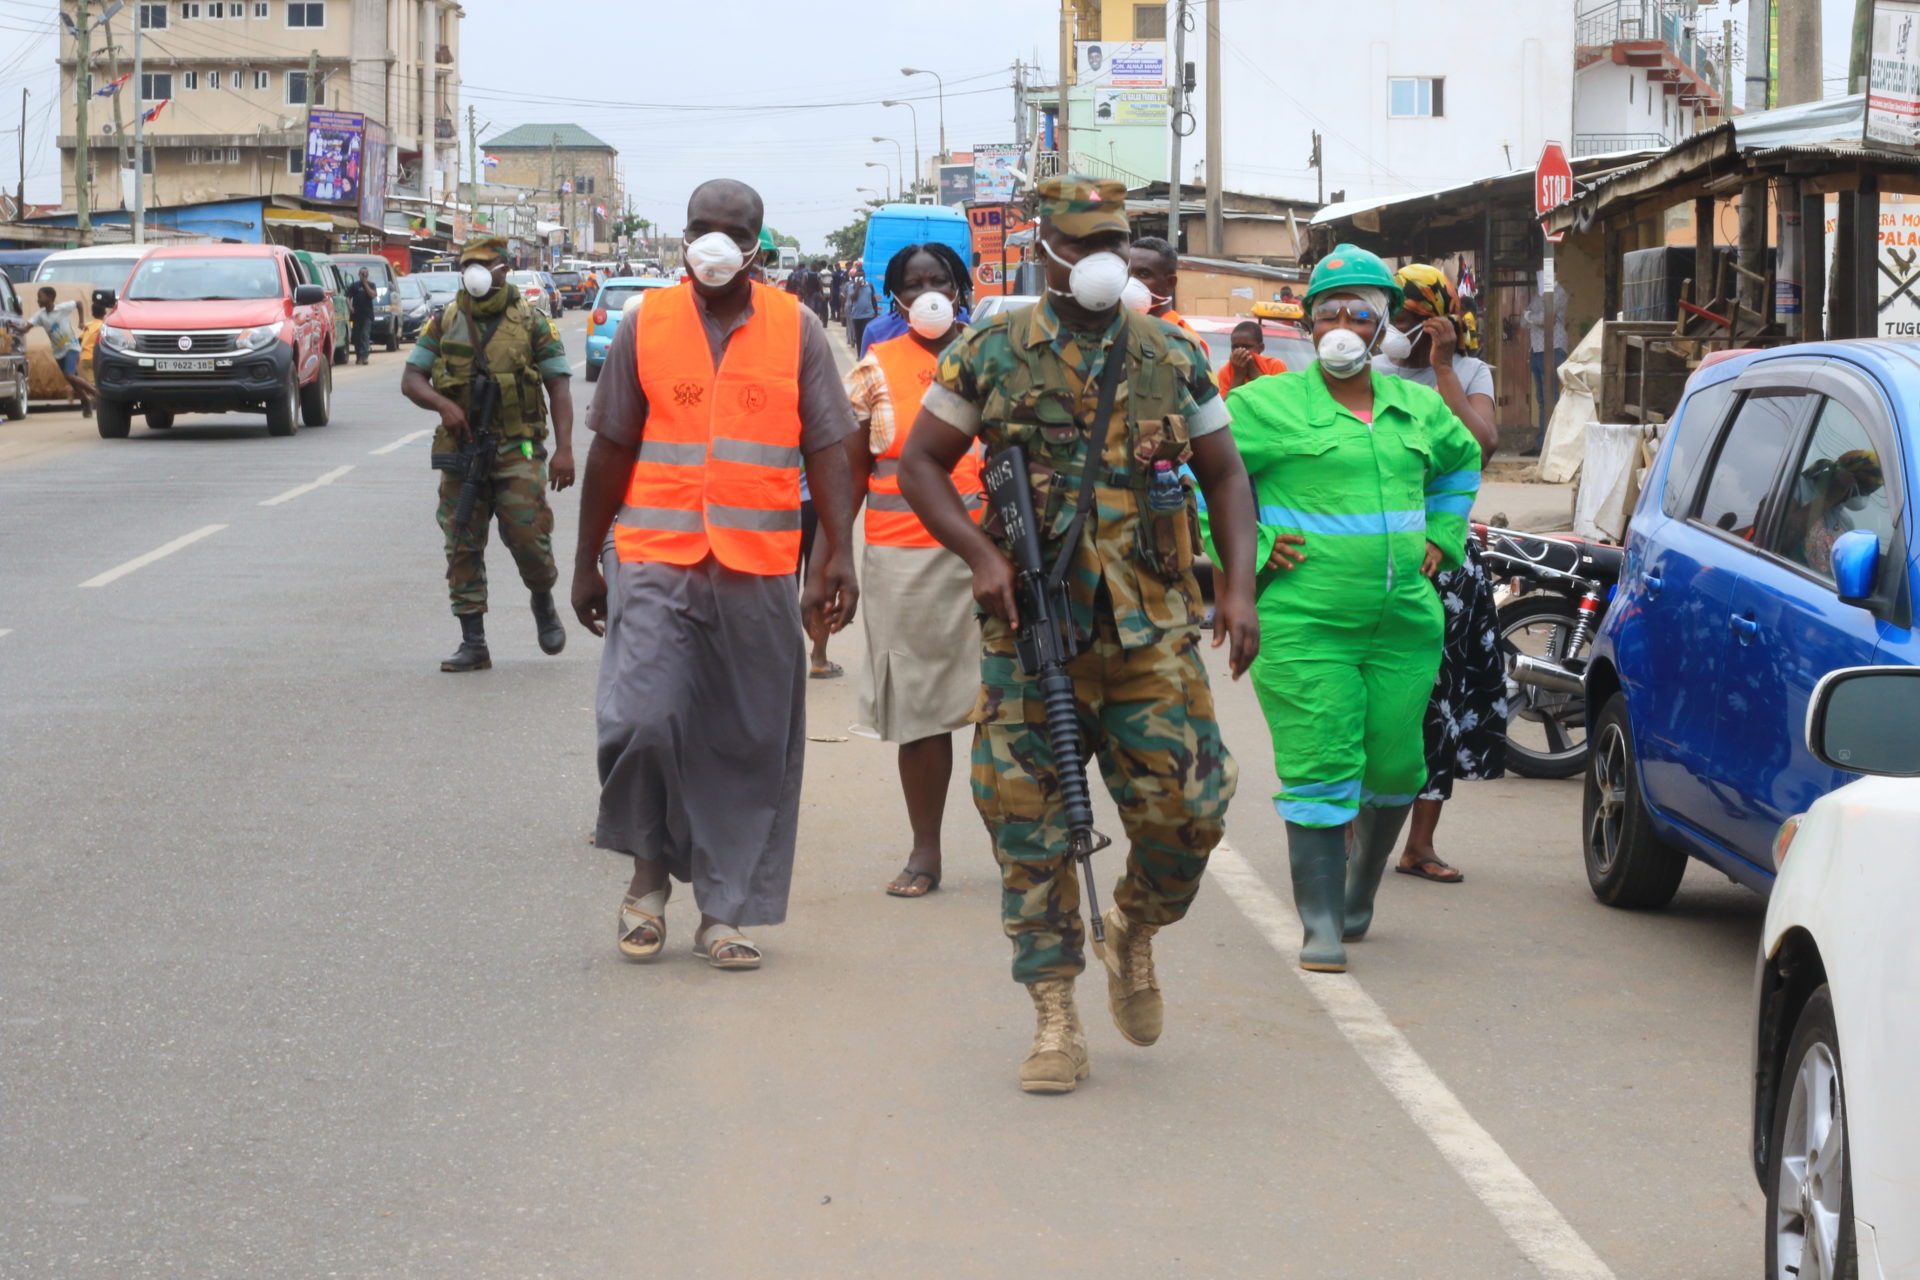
[[1077, 205], [481, 248]]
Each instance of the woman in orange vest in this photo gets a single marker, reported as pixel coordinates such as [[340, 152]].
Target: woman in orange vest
[[923, 650]]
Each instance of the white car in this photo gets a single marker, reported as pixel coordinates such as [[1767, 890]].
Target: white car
[[533, 289], [1836, 1131]]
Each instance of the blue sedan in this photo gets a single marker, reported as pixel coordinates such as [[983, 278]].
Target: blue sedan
[[1770, 547], [607, 305]]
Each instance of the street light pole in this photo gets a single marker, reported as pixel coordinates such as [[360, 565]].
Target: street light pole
[[900, 155], [940, 88], [882, 164], [917, 170]]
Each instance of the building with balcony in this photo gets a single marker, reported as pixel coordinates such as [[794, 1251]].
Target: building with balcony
[[1647, 73], [233, 76]]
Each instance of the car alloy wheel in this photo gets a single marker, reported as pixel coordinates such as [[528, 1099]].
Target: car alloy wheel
[[1608, 780], [1810, 1207]]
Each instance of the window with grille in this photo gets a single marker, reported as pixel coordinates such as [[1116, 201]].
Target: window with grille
[[153, 17], [213, 80], [155, 85], [296, 88], [262, 79], [217, 9], [1149, 22], [189, 9], [233, 155], [189, 80], [1416, 96], [306, 14], [260, 9]]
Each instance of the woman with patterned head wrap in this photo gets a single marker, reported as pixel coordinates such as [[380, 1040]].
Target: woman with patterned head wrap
[[1466, 723]]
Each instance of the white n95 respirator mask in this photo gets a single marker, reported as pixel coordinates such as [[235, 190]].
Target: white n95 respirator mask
[[714, 259], [477, 280], [931, 315], [1096, 281], [1343, 353]]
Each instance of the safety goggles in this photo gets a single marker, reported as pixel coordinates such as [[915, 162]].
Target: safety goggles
[[1335, 309]]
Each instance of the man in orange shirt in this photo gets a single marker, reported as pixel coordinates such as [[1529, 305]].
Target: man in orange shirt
[[1153, 262], [1248, 361]]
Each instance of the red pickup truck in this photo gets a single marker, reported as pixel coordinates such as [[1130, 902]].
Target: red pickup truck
[[213, 329]]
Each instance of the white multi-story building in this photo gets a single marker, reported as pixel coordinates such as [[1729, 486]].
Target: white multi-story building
[[1409, 95], [233, 75]]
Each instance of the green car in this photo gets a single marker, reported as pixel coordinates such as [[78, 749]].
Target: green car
[[320, 269]]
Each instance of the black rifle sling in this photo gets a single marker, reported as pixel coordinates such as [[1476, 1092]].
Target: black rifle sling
[[1110, 376]]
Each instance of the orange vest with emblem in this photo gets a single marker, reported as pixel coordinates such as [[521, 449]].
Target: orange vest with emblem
[[719, 463], [909, 368]]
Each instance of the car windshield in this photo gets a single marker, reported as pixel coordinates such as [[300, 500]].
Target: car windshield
[[191, 279], [1296, 350], [411, 289], [440, 284], [101, 273]]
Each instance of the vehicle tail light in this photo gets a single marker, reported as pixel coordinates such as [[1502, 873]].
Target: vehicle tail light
[[599, 317], [1783, 839]]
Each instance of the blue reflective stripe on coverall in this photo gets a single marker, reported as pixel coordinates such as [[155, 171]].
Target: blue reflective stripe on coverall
[[1350, 639]]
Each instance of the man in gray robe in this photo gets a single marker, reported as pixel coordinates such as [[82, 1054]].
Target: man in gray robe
[[701, 707]]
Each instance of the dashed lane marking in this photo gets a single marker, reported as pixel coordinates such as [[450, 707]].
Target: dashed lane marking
[[140, 562], [404, 441], [1530, 1220], [308, 487]]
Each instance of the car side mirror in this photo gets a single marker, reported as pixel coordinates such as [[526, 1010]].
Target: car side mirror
[[308, 295], [1867, 720], [1856, 565]]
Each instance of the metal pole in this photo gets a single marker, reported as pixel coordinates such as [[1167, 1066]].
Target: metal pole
[[1800, 51], [1866, 260], [82, 58], [1216, 186], [1066, 71], [1759, 13], [1176, 103], [473, 169], [139, 143], [899, 155], [918, 170], [1862, 45], [20, 192], [1549, 290]]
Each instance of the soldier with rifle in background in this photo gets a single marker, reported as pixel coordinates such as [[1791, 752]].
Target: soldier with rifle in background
[[1091, 643], [483, 364]]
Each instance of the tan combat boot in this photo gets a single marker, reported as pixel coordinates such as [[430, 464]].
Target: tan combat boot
[[1058, 1059], [1133, 993]]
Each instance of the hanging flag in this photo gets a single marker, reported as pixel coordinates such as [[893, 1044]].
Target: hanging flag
[[491, 162], [1466, 288], [112, 87], [600, 209], [148, 117], [566, 186]]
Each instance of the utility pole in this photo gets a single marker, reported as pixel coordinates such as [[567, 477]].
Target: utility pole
[[20, 192], [1176, 112], [1800, 51], [1317, 160], [473, 167], [1066, 70], [553, 176], [82, 90], [112, 59], [1216, 237], [1758, 45], [1726, 69], [1862, 46], [139, 139], [1019, 106]]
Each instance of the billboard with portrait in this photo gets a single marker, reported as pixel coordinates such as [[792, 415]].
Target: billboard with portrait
[[336, 143], [993, 168], [1121, 64]]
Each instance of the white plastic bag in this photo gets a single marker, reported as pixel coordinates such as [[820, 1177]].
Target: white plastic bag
[[1604, 499]]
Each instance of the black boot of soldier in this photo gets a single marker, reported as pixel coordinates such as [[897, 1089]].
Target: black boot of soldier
[[472, 654], [553, 636]]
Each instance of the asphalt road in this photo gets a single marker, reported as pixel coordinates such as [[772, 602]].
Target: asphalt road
[[310, 966]]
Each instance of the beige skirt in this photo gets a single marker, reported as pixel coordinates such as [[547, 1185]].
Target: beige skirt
[[923, 644]]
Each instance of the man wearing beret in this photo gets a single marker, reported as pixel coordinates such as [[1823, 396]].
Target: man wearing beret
[[490, 327], [1033, 378]]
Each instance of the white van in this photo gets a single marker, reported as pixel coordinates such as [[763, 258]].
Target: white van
[[102, 266]]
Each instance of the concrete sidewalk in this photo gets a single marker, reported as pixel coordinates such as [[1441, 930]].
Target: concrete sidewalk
[[1510, 497]]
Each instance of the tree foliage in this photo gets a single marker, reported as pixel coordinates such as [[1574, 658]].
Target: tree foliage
[[850, 241]]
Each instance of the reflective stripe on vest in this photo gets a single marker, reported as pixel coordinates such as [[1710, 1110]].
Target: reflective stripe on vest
[[718, 469], [908, 368]]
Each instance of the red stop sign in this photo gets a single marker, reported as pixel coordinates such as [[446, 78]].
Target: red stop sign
[[1552, 179]]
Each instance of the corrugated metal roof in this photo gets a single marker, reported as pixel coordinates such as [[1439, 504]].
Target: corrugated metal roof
[[528, 137], [1830, 120]]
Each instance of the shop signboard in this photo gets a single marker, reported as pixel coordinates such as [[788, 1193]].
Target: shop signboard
[[336, 141], [1130, 106], [993, 169], [1893, 77]]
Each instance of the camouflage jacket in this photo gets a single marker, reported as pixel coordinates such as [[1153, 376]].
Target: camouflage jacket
[[523, 353], [1033, 382]]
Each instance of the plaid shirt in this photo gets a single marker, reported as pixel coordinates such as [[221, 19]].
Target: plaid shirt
[[866, 386]]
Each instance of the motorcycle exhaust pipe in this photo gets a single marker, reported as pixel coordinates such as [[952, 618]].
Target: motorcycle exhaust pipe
[[1542, 674]]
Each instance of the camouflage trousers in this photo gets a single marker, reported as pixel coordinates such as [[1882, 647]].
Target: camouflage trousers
[[1147, 715], [518, 497]]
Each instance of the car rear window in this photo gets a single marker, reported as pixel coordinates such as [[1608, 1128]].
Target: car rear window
[[566, 277], [192, 279], [615, 300]]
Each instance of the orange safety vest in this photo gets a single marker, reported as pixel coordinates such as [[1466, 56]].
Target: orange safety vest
[[719, 463], [1175, 318], [908, 368]]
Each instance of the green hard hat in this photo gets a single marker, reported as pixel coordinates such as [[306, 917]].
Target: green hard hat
[[766, 241], [1348, 267]]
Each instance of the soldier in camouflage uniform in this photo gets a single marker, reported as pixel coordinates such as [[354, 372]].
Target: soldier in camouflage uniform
[[1031, 378], [526, 357]]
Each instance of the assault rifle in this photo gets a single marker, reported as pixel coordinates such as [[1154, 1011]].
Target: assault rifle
[[473, 463], [1045, 643]]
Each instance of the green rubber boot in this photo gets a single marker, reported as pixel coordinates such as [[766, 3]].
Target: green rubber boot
[[1376, 836], [1319, 858]]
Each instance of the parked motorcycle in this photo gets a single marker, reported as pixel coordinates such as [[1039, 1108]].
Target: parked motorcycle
[[1557, 589]]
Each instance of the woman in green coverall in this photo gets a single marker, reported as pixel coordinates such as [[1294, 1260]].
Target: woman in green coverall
[[1363, 484]]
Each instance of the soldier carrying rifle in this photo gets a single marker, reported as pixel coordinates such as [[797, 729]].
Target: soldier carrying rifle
[[482, 365], [1103, 459]]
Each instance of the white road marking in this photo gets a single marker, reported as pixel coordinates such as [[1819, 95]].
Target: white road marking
[[404, 441], [308, 487], [1530, 1220], [140, 562]]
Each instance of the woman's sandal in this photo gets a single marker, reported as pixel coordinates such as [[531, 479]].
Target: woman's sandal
[[1426, 868], [638, 917], [910, 890], [725, 938]]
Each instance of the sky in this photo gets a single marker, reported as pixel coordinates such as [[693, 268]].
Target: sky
[[728, 88]]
